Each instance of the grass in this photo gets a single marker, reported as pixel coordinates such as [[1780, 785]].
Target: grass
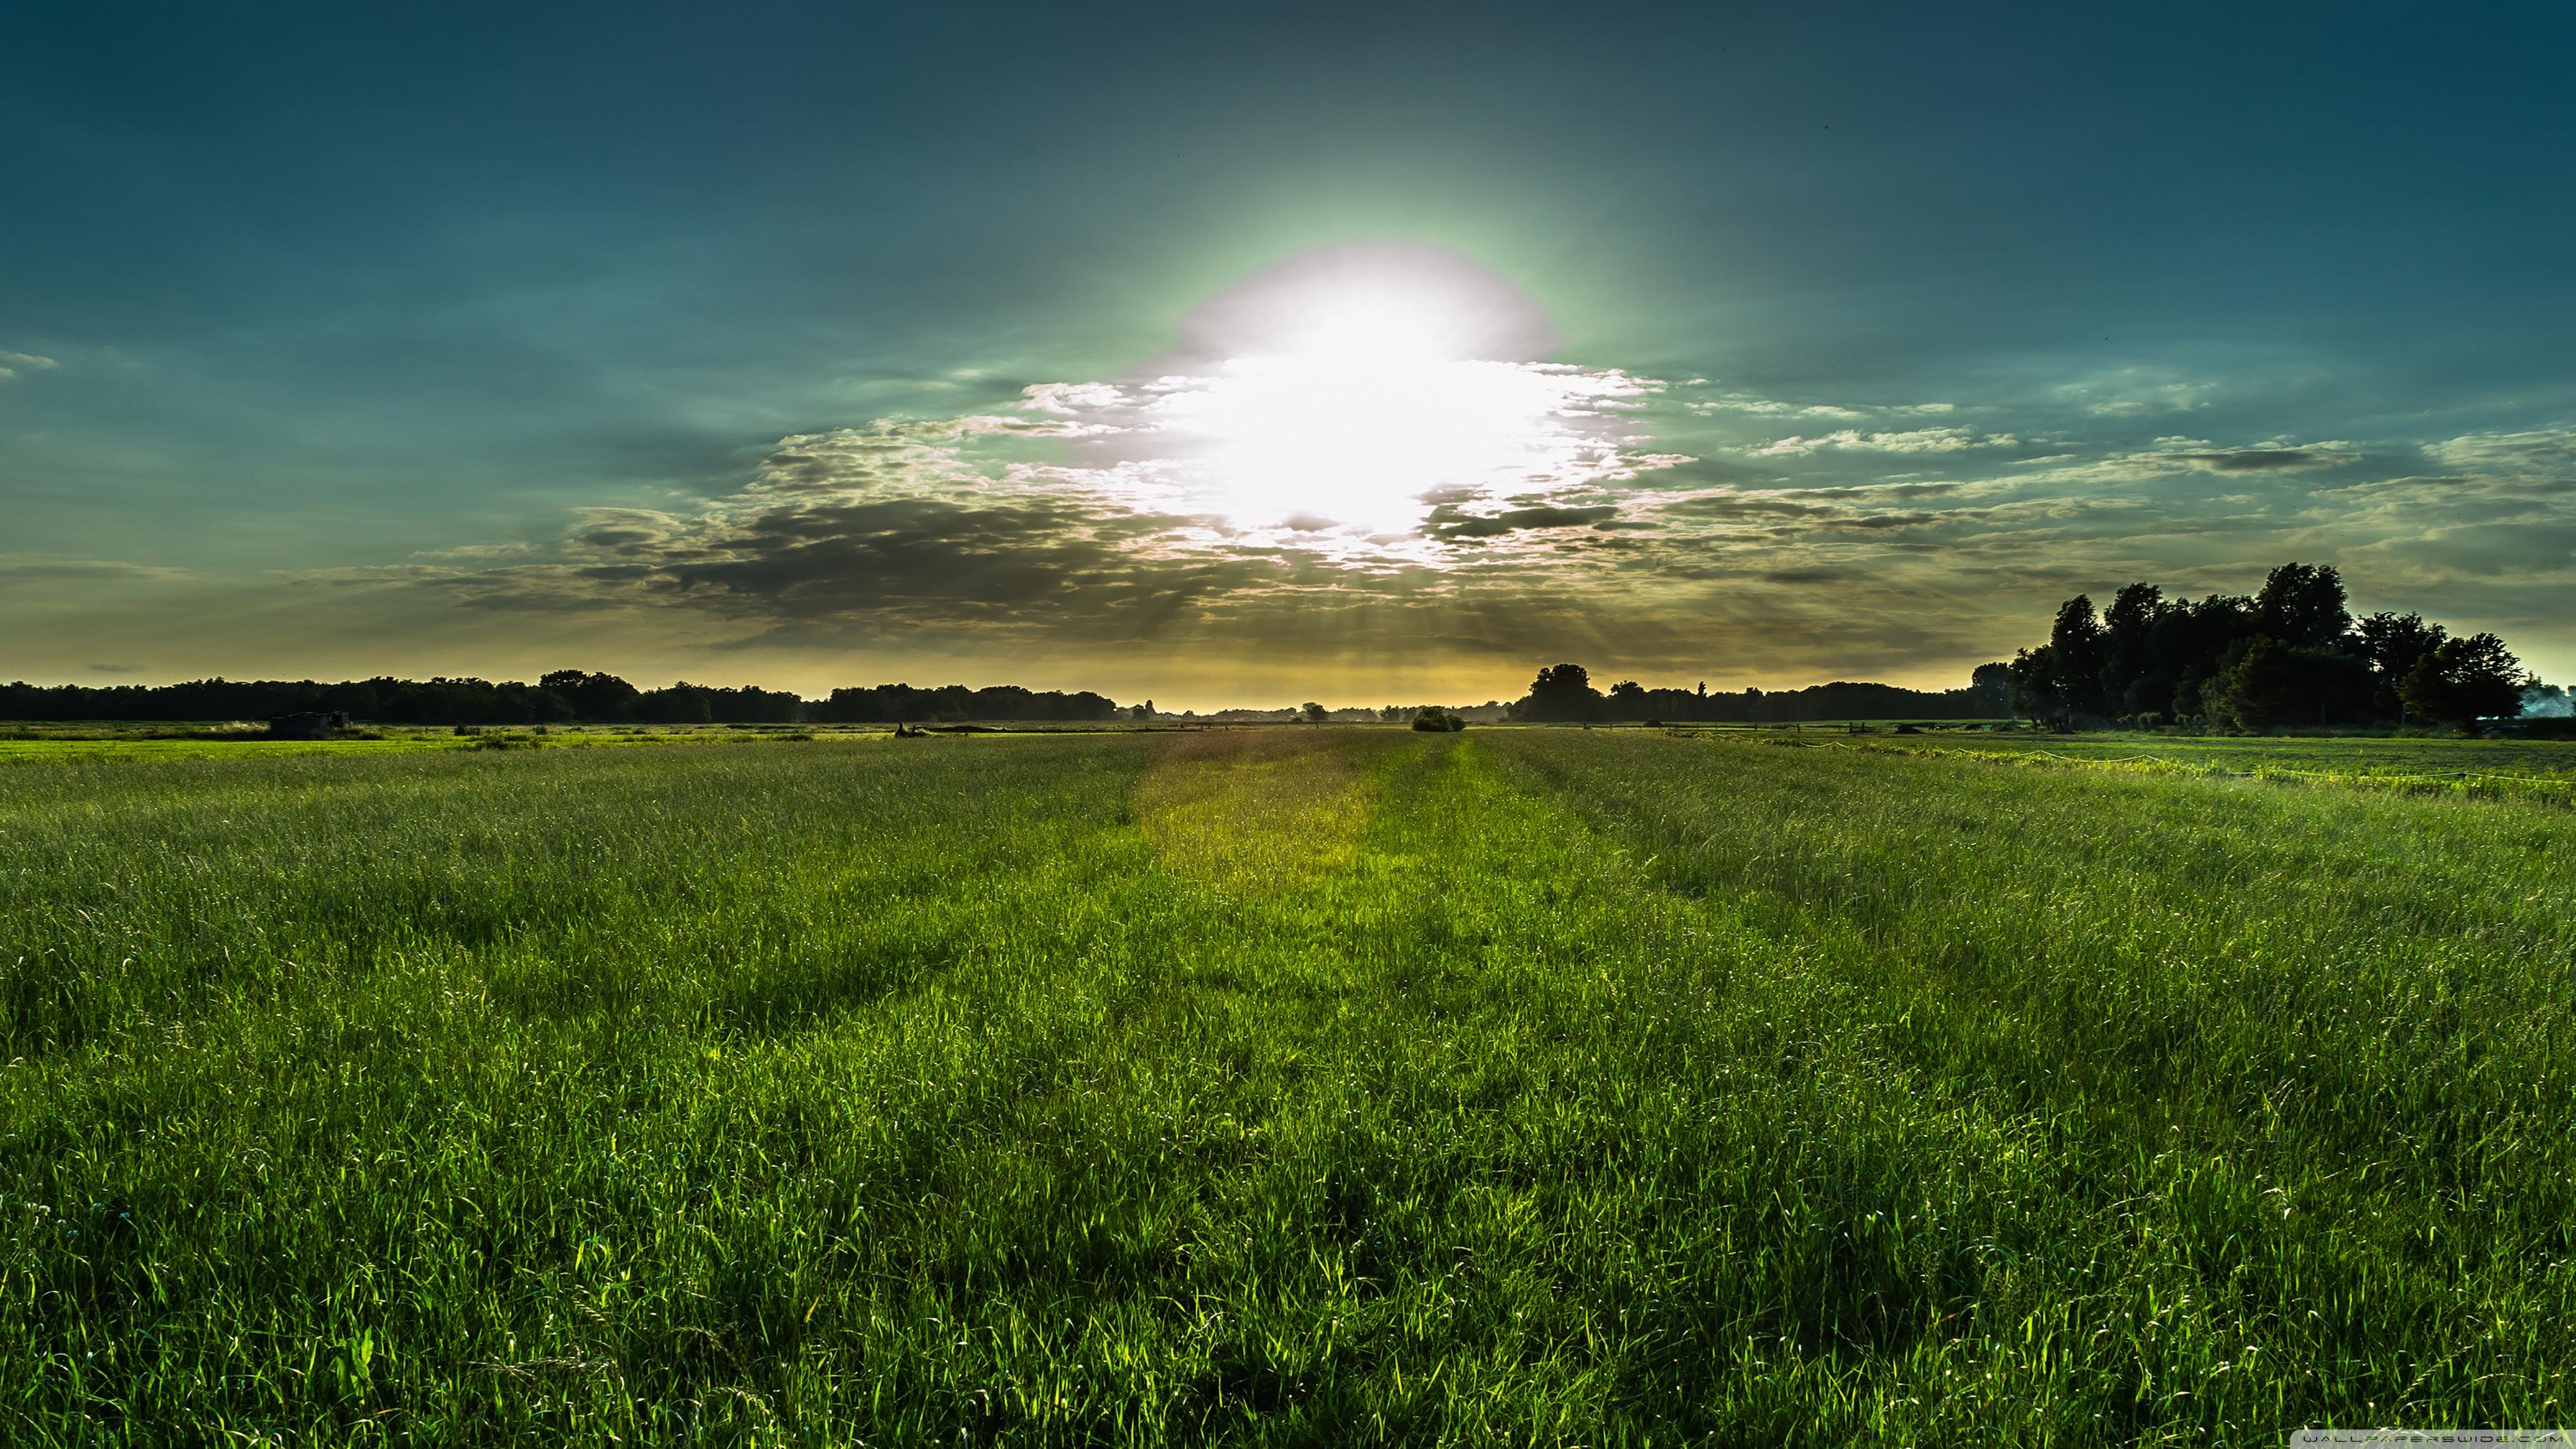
[[1275, 1086], [2538, 771]]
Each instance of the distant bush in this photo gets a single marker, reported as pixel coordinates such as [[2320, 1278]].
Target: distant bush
[[1432, 717]]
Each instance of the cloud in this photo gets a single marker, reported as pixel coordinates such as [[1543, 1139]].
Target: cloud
[[13, 363], [1741, 402], [2266, 459], [2173, 456], [2136, 392], [2525, 454], [1919, 440], [1237, 509], [625, 530], [36, 568], [1448, 522], [2176, 397]]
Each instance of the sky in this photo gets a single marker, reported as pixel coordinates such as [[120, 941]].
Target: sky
[[1243, 354]]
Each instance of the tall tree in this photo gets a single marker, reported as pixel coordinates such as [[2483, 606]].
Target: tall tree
[[1564, 692], [2302, 605], [1990, 683], [2465, 680], [2036, 687], [591, 696], [2393, 643], [2133, 679], [2076, 654]]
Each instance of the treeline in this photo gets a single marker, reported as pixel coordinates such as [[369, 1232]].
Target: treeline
[[1564, 693], [2291, 654], [567, 696]]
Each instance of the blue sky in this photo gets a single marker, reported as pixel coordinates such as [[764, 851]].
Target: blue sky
[[423, 339]]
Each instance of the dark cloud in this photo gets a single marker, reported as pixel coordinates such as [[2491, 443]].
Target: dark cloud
[[2262, 460], [1448, 522], [1023, 564], [1726, 506]]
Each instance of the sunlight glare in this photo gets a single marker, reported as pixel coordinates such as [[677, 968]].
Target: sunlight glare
[[1360, 399]]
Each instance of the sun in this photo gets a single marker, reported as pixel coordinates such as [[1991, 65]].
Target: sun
[[1363, 327], [1353, 392]]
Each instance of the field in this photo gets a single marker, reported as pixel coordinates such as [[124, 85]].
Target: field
[[1328, 1086]]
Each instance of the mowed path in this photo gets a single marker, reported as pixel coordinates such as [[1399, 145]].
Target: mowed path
[[1279, 1086]]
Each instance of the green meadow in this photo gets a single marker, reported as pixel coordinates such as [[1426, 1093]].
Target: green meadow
[[1287, 1086]]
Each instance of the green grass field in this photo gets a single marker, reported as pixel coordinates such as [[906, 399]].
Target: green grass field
[[1281, 1086]]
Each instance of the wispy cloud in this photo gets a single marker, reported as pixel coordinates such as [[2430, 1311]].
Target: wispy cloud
[[2138, 392], [13, 363], [1758, 406], [2539, 451], [18, 568], [1918, 440]]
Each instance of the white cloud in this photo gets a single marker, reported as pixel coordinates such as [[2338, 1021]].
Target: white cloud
[[2541, 450], [1919, 440], [2172, 397], [2137, 392], [12, 363]]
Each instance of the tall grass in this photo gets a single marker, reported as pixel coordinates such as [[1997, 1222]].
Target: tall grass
[[1371, 1087]]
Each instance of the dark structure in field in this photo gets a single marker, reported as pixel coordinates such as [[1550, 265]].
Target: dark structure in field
[[309, 725]]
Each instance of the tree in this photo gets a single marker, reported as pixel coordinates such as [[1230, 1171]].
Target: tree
[[2465, 680], [2075, 648], [2130, 673], [1311, 712], [1563, 692], [1432, 717], [2196, 638], [591, 696], [2393, 643], [682, 703], [2302, 606], [2261, 687], [2035, 690], [1628, 700], [2271, 683], [1992, 686]]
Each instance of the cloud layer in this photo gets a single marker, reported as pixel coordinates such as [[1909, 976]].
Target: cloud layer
[[1083, 521]]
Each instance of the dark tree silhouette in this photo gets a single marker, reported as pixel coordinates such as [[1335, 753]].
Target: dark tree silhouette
[[563, 696], [2077, 653], [1563, 692], [2465, 680], [2302, 605], [2291, 655], [592, 696], [2393, 643], [1990, 683]]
